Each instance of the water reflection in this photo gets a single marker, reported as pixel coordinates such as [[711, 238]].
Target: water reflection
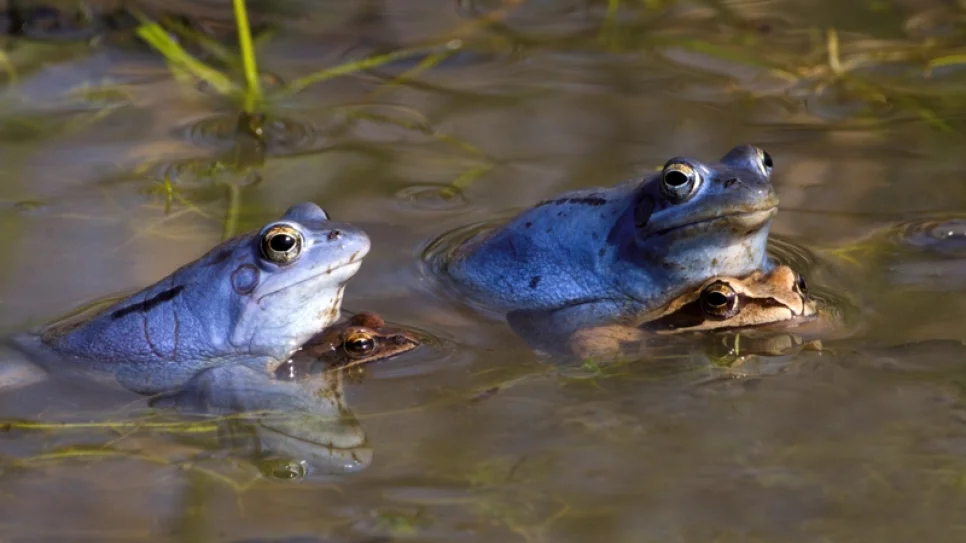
[[296, 428]]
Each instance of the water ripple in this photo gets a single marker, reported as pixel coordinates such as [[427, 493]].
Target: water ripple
[[942, 235], [278, 135], [431, 198], [199, 173]]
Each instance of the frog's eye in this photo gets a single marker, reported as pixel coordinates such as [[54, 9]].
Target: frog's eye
[[679, 181], [719, 300], [801, 285], [764, 161], [359, 344], [281, 244]]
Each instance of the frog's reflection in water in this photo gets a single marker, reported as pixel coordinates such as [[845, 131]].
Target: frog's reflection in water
[[292, 427], [296, 417]]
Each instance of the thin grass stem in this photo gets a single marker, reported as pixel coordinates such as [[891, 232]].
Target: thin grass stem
[[253, 91]]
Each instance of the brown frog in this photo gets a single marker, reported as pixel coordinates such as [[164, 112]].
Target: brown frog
[[778, 300], [362, 339]]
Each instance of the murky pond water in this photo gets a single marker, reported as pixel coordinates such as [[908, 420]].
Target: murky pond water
[[117, 172]]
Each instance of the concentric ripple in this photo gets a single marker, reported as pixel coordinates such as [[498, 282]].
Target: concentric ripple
[[437, 254], [934, 256], [203, 173], [837, 102], [279, 136], [431, 198], [946, 236], [787, 252]]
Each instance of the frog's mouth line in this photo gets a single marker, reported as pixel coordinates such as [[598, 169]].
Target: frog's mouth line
[[747, 219], [315, 277]]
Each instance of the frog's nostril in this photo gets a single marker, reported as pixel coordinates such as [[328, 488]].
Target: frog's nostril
[[334, 235], [731, 182]]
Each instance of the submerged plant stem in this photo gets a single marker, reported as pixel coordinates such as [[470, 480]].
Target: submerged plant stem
[[231, 215], [348, 68], [832, 42]]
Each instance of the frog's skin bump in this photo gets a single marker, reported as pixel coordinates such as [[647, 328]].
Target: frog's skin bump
[[607, 252], [252, 300]]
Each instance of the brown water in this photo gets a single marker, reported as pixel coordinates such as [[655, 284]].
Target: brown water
[[476, 437]]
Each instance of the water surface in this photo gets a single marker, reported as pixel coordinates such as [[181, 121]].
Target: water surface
[[478, 438]]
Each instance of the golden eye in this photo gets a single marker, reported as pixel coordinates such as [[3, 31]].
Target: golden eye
[[719, 300], [764, 161], [281, 244], [679, 181], [359, 344]]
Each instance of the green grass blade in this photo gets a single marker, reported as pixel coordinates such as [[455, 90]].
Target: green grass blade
[[158, 38], [301, 83], [253, 93]]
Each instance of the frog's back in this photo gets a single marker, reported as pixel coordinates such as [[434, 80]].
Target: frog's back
[[545, 257]]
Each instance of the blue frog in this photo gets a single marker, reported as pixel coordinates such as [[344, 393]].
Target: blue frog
[[253, 300], [597, 254]]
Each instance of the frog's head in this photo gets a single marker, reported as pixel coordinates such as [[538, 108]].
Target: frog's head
[[285, 282], [722, 303], [698, 220]]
